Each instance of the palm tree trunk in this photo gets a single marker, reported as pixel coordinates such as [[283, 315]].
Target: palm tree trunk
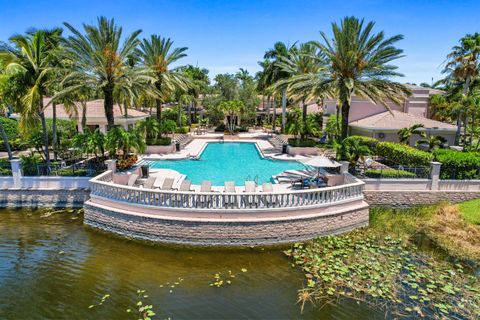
[[195, 111], [274, 118], [179, 115], [284, 109], [84, 115], [159, 109], [304, 119], [459, 128], [108, 106], [345, 114], [5, 141], [466, 87], [45, 133], [189, 113], [54, 130]]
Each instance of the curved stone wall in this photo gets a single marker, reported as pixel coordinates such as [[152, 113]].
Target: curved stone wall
[[227, 229]]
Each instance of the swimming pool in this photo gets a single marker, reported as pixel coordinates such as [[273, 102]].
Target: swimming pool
[[228, 161]]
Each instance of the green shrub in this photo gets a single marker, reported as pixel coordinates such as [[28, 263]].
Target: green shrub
[[302, 143], [457, 164], [388, 173], [164, 141], [182, 130], [220, 128], [11, 129], [69, 172], [371, 143], [403, 154], [242, 129]]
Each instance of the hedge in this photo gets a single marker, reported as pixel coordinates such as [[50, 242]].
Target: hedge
[[458, 164], [404, 155], [389, 173], [69, 172], [371, 143], [302, 143]]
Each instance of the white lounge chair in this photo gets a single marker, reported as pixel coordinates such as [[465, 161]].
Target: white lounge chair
[[203, 199], [230, 186], [133, 178], [206, 186], [149, 183], [185, 185], [267, 187], [167, 184], [250, 200], [250, 186]]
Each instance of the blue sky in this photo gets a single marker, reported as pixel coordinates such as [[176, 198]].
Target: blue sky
[[226, 35]]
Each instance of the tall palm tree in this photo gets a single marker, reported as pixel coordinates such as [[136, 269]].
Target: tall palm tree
[[199, 81], [99, 60], [301, 65], [31, 59], [358, 63], [275, 73], [264, 83], [462, 68], [158, 55]]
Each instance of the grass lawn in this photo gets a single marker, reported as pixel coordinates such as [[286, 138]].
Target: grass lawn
[[470, 210]]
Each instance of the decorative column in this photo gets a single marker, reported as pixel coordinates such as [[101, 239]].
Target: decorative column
[[435, 174], [111, 165], [344, 167], [17, 173]]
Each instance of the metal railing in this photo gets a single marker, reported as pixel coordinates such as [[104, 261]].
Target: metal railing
[[103, 187], [396, 172], [459, 173], [75, 170]]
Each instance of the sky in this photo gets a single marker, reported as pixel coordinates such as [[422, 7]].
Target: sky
[[223, 36]]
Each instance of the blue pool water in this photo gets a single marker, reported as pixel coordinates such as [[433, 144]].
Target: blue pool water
[[229, 161]]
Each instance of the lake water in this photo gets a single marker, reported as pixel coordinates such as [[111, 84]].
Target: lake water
[[52, 267], [229, 161]]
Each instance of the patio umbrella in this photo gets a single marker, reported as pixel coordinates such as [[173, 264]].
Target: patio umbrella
[[322, 162]]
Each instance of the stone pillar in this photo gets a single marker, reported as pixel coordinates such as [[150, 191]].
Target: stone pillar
[[17, 173], [111, 165], [435, 174], [344, 167]]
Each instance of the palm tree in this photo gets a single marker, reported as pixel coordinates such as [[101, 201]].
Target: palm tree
[[158, 55], [31, 59], [149, 128], [462, 68], [358, 63], [432, 142], [405, 134], [198, 78], [98, 60], [231, 109], [275, 73], [301, 65]]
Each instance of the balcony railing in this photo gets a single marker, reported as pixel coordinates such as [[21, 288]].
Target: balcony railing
[[103, 187]]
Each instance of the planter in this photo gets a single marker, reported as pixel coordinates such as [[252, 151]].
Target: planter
[[160, 149], [303, 151]]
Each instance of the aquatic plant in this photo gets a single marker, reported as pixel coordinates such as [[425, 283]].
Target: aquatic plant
[[142, 311], [386, 273]]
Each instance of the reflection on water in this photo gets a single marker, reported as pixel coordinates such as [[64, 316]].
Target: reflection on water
[[53, 267]]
